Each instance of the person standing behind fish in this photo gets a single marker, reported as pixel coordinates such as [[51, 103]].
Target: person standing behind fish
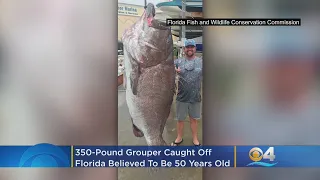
[[188, 101]]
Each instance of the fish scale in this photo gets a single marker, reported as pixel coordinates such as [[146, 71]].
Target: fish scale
[[149, 75]]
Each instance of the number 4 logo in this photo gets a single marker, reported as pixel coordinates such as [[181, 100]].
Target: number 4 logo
[[269, 154]]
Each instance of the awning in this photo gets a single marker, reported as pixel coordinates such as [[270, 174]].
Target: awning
[[191, 5], [191, 31], [189, 35]]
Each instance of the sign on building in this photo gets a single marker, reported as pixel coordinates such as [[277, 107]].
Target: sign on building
[[128, 10]]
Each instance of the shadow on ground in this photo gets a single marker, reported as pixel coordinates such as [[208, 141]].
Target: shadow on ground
[[126, 137]]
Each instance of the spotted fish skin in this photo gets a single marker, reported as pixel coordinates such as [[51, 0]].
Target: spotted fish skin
[[149, 75]]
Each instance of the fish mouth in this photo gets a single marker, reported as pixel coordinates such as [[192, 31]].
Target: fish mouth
[[150, 10], [152, 22]]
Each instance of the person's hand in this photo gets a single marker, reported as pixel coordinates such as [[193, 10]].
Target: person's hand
[[178, 70]]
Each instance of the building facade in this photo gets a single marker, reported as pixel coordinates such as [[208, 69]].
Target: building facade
[[127, 15]]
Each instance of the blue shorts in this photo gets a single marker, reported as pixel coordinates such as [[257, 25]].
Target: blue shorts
[[192, 109]]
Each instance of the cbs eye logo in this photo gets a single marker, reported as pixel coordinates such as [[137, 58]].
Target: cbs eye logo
[[44, 155], [256, 155]]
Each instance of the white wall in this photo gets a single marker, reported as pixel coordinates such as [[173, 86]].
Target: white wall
[[198, 40]]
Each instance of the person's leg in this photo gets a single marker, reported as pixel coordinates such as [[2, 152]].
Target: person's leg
[[181, 114], [180, 125], [194, 115]]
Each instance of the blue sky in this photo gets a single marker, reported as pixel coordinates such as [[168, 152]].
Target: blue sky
[[139, 2]]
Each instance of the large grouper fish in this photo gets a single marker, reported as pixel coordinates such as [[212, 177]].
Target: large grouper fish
[[149, 76]]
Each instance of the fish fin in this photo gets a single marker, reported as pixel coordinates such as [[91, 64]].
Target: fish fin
[[134, 83], [134, 76], [136, 131]]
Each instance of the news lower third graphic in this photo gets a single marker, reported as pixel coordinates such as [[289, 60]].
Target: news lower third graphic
[[40, 155], [46, 155], [234, 22], [51, 156], [261, 158], [155, 156]]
